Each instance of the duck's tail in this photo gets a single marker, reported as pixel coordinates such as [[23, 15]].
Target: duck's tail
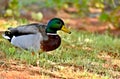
[[7, 35]]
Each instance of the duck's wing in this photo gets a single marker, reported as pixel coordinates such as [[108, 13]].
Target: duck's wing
[[28, 29]]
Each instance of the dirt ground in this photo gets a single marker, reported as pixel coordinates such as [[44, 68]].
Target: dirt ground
[[13, 70]]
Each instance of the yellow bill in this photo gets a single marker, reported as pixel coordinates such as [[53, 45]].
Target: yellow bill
[[65, 29]]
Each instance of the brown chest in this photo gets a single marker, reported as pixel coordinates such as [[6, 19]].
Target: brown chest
[[52, 43]]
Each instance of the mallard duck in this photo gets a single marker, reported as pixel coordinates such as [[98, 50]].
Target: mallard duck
[[37, 36]]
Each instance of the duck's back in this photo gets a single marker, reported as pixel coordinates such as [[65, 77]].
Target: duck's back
[[28, 29]]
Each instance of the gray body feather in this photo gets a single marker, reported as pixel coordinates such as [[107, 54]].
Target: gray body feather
[[29, 42]]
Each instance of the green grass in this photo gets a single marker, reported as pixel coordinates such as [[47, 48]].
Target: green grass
[[79, 49]]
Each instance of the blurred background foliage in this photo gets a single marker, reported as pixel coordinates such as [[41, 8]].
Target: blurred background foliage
[[105, 10]]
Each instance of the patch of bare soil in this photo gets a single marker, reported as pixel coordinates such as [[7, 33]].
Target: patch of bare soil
[[112, 63], [13, 70]]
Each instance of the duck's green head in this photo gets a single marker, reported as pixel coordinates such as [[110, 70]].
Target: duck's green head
[[56, 24]]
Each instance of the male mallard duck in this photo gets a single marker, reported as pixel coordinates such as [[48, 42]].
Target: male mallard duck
[[37, 36]]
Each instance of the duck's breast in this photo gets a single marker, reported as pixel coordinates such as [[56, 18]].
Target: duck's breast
[[52, 43]]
